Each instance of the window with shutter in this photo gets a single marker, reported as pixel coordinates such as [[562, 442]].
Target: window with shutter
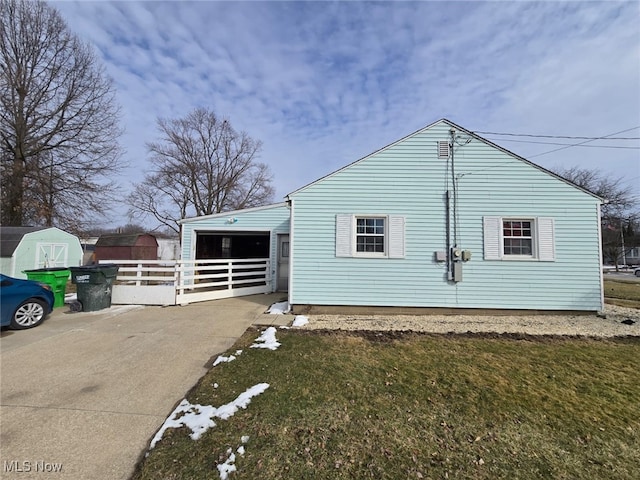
[[370, 236], [507, 238]]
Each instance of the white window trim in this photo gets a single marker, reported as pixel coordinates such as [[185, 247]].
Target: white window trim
[[355, 235], [534, 239]]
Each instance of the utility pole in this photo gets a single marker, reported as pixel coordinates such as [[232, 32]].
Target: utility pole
[[624, 255]]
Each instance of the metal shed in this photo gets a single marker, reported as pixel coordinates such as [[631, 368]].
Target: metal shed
[[28, 248], [140, 246]]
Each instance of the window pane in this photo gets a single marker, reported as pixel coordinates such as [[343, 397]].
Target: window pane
[[370, 235], [517, 246], [517, 239], [370, 244]]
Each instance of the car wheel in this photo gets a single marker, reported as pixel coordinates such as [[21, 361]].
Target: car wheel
[[637, 273], [29, 314]]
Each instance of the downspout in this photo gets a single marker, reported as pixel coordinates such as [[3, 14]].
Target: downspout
[[292, 246], [600, 259], [448, 228]]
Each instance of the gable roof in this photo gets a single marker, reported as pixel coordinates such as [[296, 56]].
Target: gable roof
[[233, 212], [466, 132], [10, 238], [120, 239]]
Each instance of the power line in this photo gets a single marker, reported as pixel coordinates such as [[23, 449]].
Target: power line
[[569, 145], [585, 141], [557, 136]]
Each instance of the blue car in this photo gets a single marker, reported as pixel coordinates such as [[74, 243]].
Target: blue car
[[24, 303]]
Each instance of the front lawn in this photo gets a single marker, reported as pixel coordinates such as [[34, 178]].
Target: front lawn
[[398, 406], [625, 294]]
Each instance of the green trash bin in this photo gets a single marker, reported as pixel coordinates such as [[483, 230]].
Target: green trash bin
[[55, 277], [94, 284]]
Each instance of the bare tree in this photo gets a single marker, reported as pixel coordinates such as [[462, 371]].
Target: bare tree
[[58, 121], [202, 166], [618, 214]]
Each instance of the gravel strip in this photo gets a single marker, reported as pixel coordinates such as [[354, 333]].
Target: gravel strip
[[583, 325]]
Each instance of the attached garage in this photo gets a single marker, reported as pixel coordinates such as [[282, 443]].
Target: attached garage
[[238, 252], [232, 244]]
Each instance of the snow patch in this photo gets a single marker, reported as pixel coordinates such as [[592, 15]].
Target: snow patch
[[300, 321], [279, 308], [242, 401], [228, 466], [199, 417], [267, 340], [230, 358], [196, 417], [222, 359]]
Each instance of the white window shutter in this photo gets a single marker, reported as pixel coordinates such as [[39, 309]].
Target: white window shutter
[[546, 239], [344, 235], [396, 236], [492, 228]]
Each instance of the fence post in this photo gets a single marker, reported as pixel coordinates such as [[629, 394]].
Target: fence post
[[138, 274]]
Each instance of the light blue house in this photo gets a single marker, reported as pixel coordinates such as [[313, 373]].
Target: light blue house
[[439, 219]]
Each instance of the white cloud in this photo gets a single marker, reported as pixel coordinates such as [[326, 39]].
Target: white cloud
[[323, 84]]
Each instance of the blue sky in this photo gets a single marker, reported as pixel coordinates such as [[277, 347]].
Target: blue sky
[[322, 84]]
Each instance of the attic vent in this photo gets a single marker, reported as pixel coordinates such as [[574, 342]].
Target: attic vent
[[443, 149]]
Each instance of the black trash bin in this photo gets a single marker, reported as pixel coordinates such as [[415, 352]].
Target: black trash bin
[[94, 284]]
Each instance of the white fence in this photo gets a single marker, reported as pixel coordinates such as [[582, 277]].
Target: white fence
[[149, 282]]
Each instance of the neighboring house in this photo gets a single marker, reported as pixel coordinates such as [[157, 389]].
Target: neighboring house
[[120, 246], [440, 219], [632, 256], [29, 248]]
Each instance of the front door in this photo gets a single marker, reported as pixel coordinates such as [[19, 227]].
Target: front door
[[283, 263]]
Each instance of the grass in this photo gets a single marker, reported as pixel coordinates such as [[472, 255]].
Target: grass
[[398, 406], [626, 294]]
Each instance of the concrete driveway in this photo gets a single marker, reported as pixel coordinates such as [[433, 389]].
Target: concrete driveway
[[82, 394]]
